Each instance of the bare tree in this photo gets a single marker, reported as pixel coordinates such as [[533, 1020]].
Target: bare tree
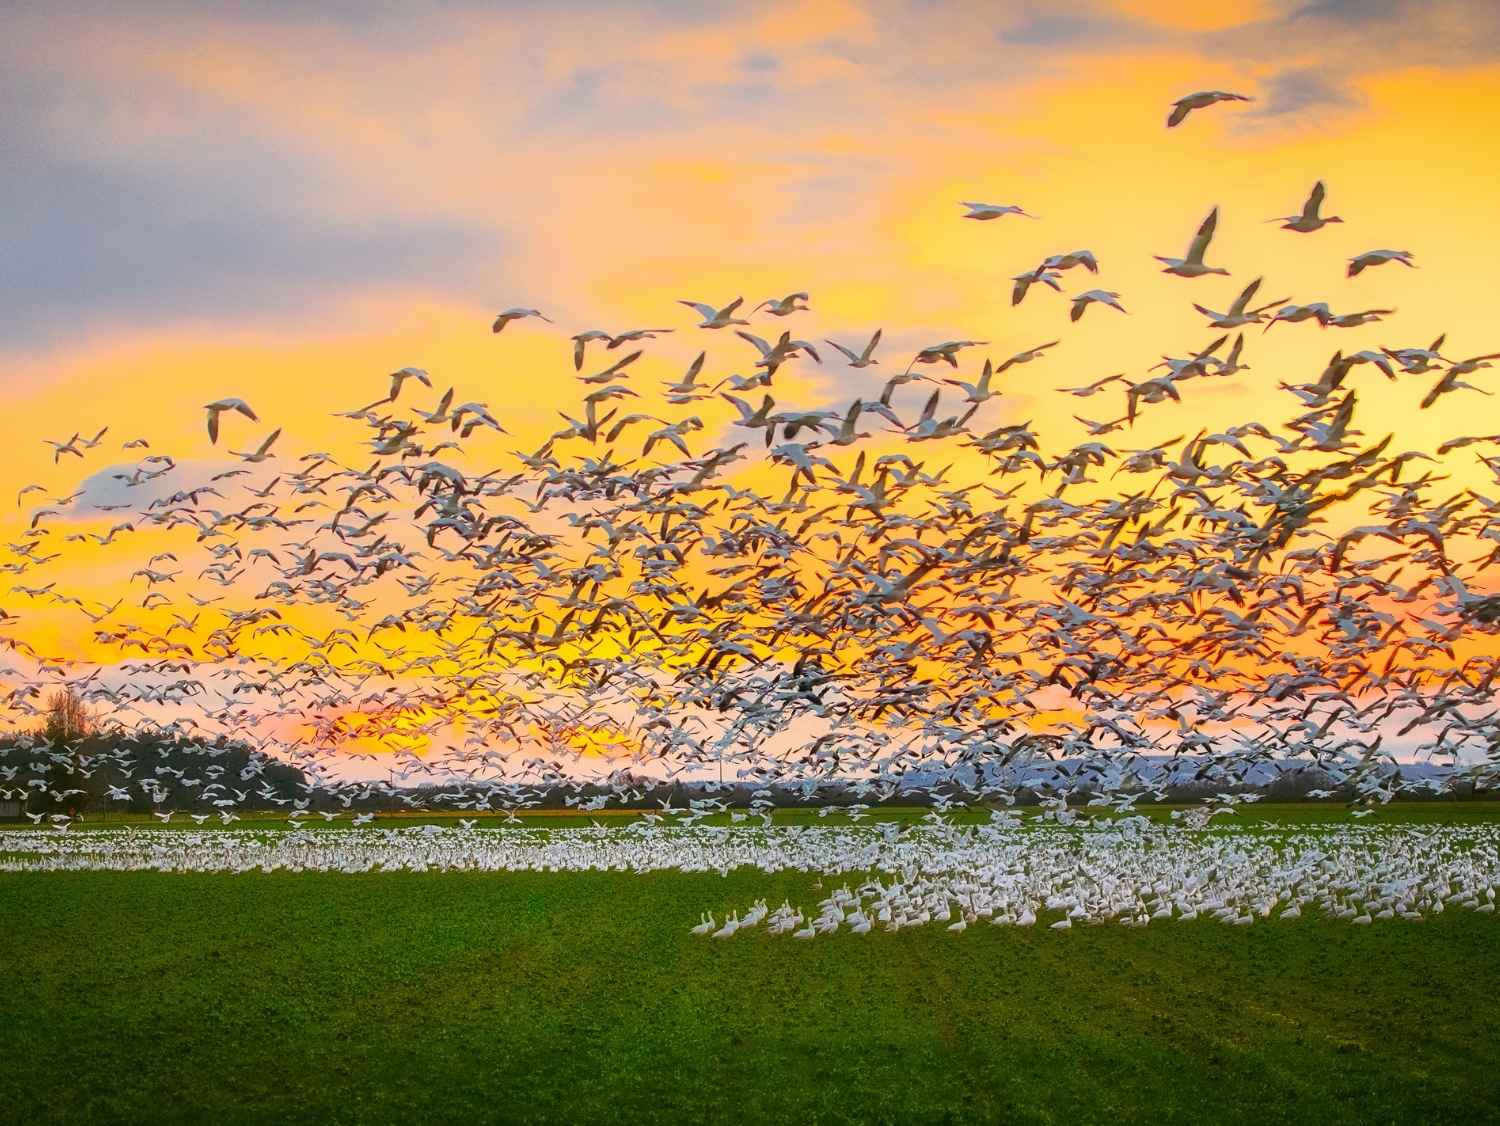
[[68, 723], [68, 717]]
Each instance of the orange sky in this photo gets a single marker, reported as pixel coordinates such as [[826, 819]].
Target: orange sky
[[226, 200], [502, 159]]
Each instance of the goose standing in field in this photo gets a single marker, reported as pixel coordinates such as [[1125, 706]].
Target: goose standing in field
[[950, 874]]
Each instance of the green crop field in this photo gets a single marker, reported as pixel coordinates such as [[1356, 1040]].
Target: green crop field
[[581, 997]]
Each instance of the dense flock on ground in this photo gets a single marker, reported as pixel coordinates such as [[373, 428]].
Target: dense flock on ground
[[699, 578], [889, 876]]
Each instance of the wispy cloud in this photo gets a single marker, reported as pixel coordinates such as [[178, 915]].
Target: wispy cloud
[[1301, 89]]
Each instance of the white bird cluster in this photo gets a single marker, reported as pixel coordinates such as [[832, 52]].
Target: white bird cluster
[[1129, 871]]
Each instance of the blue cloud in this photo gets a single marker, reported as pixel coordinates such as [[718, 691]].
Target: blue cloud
[[87, 241], [1078, 29]]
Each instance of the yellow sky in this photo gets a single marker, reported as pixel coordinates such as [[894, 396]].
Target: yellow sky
[[288, 210]]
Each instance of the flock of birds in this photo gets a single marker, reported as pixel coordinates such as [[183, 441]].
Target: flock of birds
[[910, 586], [1128, 871]]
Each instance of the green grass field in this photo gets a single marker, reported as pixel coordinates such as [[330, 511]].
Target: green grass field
[[581, 997]]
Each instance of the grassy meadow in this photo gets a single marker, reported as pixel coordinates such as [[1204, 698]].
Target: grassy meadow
[[581, 997]]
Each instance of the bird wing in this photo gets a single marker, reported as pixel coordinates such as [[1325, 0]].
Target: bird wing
[[1211, 349], [1314, 201], [1199, 246], [1245, 295], [760, 345], [1179, 114], [851, 356], [1269, 305]]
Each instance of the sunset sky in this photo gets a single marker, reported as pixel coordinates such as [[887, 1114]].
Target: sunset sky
[[203, 199], [285, 202]]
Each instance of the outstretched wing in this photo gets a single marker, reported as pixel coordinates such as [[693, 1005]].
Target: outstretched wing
[[850, 355], [1199, 245], [1314, 201], [1245, 295]]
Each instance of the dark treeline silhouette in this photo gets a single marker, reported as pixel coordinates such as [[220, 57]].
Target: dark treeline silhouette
[[75, 765]]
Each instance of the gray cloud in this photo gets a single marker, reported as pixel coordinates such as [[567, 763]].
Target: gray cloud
[[134, 194], [1348, 36], [1323, 48], [1078, 28], [86, 243], [1300, 89]]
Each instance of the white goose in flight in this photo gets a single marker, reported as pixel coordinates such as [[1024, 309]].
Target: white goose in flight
[[1191, 264], [1202, 99]]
